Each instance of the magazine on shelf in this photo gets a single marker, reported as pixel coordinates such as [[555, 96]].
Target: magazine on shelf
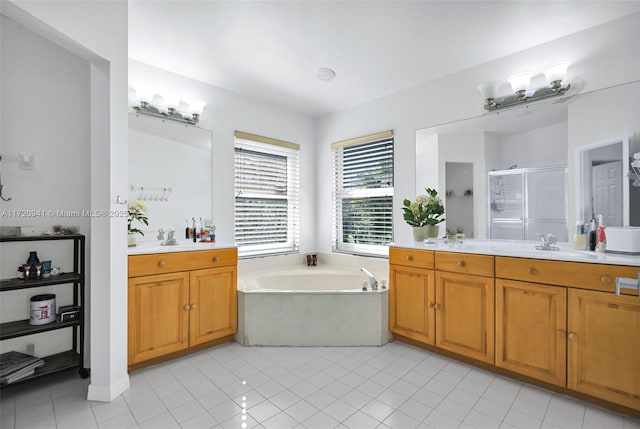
[[15, 366]]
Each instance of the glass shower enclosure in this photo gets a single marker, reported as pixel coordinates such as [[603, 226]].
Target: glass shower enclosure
[[527, 202]]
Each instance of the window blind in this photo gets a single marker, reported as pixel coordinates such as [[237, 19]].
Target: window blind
[[363, 194], [267, 196]]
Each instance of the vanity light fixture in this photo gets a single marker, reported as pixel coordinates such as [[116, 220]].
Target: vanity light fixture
[[523, 92], [187, 112]]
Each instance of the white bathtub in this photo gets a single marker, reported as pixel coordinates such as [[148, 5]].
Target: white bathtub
[[311, 306]]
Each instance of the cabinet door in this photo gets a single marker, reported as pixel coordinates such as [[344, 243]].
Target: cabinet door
[[213, 304], [158, 315], [531, 330], [464, 314], [604, 346], [411, 311]]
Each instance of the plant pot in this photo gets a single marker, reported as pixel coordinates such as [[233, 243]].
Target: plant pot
[[131, 239], [432, 231], [419, 233]]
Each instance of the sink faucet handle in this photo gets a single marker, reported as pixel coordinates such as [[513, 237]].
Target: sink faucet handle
[[161, 234], [171, 235]]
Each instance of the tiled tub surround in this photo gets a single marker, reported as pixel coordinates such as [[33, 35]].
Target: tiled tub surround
[[297, 305]]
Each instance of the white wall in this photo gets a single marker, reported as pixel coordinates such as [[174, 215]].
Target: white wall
[[602, 56], [542, 147], [37, 74], [97, 31], [225, 113]]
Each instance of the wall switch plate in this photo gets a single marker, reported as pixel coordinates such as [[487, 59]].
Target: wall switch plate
[[25, 160]]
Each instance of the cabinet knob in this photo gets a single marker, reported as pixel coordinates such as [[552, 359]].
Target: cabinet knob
[[216, 258], [573, 336], [533, 271], [430, 304], [192, 307], [561, 333], [437, 306], [161, 264], [186, 307], [461, 263], [605, 280], [409, 257]]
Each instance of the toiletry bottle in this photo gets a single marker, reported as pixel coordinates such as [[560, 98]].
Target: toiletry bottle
[[593, 237], [194, 229], [602, 239], [187, 231]]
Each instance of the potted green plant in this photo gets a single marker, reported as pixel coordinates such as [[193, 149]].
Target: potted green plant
[[424, 214], [136, 212]]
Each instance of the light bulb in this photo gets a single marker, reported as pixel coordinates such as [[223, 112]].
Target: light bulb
[[183, 107], [520, 81], [489, 91], [158, 103], [196, 106], [134, 101], [556, 71]]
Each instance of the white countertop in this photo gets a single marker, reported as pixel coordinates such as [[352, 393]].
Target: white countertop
[[523, 249], [152, 247]]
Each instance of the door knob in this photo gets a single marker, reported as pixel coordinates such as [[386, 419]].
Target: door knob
[[461, 263], [186, 307], [161, 264], [216, 258]]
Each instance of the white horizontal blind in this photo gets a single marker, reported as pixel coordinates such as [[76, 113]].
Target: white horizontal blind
[[267, 197], [363, 194]]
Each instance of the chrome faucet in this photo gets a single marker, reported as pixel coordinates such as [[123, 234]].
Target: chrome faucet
[[372, 280], [171, 239], [546, 242], [161, 234]]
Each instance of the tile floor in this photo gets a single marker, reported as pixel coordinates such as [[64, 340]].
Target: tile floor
[[396, 386]]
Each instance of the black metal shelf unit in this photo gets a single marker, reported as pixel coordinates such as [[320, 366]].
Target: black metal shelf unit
[[73, 358]]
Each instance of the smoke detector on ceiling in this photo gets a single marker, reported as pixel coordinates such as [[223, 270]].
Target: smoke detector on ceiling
[[326, 74]]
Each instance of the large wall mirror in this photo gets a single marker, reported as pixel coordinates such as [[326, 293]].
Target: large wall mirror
[[170, 171], [581, 139]]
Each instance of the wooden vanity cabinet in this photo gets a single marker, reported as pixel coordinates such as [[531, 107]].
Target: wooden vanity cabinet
[[411, 294], [464, 304], [158, 315], [170, 312], [558, 322], [604, 346], [214, 306], [450, 310], [531, 330], [578, 333]]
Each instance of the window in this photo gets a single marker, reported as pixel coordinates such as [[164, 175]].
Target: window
[[363, 194], [266, 188]]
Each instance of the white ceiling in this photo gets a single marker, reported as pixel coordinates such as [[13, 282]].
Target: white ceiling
[[271, 50]]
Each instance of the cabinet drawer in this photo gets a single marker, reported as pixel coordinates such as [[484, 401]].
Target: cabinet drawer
[[480, 265], [159, 263], [411, 257], [582, 275]]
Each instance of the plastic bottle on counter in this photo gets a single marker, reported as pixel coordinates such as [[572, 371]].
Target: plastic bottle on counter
[[602, 238], [593, 236]]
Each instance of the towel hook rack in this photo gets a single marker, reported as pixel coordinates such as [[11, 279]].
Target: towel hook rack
[[2, 197]]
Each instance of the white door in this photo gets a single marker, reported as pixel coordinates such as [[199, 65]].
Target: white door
[[607, 192]]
